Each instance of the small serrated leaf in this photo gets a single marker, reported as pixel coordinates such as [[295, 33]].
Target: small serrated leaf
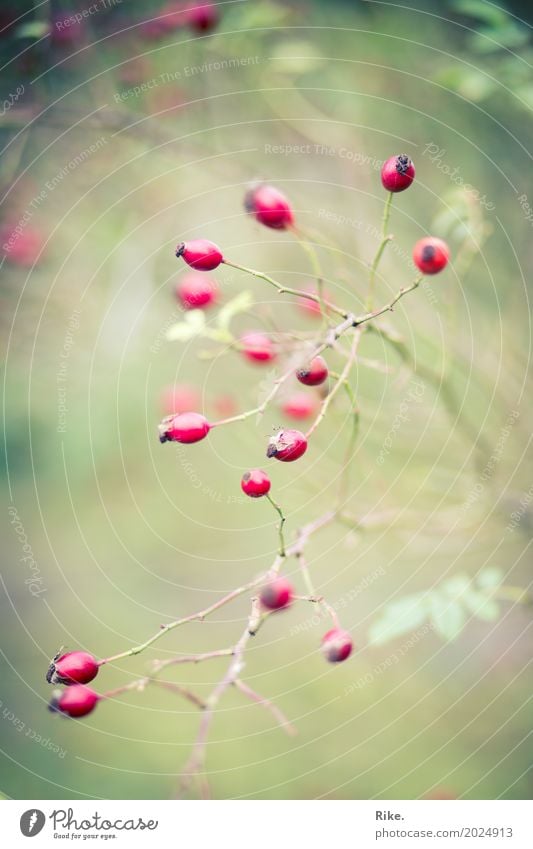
[[448, 617], [481, 606], [399, 617], [193, 325], [483, 11], [242, 303], [33, 29], [490, 577], [456, 586], [219, 335]]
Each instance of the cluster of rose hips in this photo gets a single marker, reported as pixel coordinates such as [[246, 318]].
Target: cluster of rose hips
[[197, 291]]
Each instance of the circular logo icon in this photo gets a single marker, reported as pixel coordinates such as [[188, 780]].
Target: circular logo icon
[[32, 822]]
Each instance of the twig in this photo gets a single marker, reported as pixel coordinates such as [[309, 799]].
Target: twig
[[287, 726], [287, 290], [197, 758], [385, 239]]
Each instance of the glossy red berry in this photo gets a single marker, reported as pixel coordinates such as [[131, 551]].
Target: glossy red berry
[[301, 405], [313, 373], [269, 206], [200, 254], [255, 483], [397, 173], [431, 255], [195, 291], [202, 16], [337, 645], [186, 428], [75, 701], [179, 399], [75, 667], [258, 348], [287, 445], [277, 594]]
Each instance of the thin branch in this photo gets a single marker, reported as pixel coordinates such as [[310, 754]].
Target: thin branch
[[342, 378], [385, 239], [287, 290], [279, 511], [389, 307], [196, 760], [287, 726]]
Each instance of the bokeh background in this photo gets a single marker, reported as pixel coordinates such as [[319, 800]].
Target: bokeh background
[[122, 136]]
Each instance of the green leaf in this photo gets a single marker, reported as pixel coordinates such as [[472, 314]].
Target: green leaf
[[456, 586], [296, 57], [448, 617], [264, 14], [219, 335], [490, 577], [242, 303], [481, 606], [399, 617], [33, 29], [481, 10], [193, 325]]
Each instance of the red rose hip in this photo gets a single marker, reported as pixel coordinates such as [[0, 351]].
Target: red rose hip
[[277, 594], [258, 348], [313, 373], [431, 255], [202, 16], [179, 399], [185, 428], [397, 173], [195, 291], [287, 445], [269, 206], [300, 406], [75, 667], [312, 308], [75, 701], [255, 483], [200, 254], [337, 645]]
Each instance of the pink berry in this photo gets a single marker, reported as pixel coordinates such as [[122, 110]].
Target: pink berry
[[397, 173], [164, 22], [277, 594], [311, 308], [75, 701], [301, 405], [21, 248], [185, 428], [313, 373], [258, 347], [431, 255], [195, 291], [75, 667], [200, 254], [255, 483], [269, 206], [287, 445], [225, 405], [179, 399], [203, 16], [337, 645]]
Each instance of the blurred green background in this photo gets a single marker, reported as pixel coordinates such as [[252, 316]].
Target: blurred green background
[[125, 534]]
